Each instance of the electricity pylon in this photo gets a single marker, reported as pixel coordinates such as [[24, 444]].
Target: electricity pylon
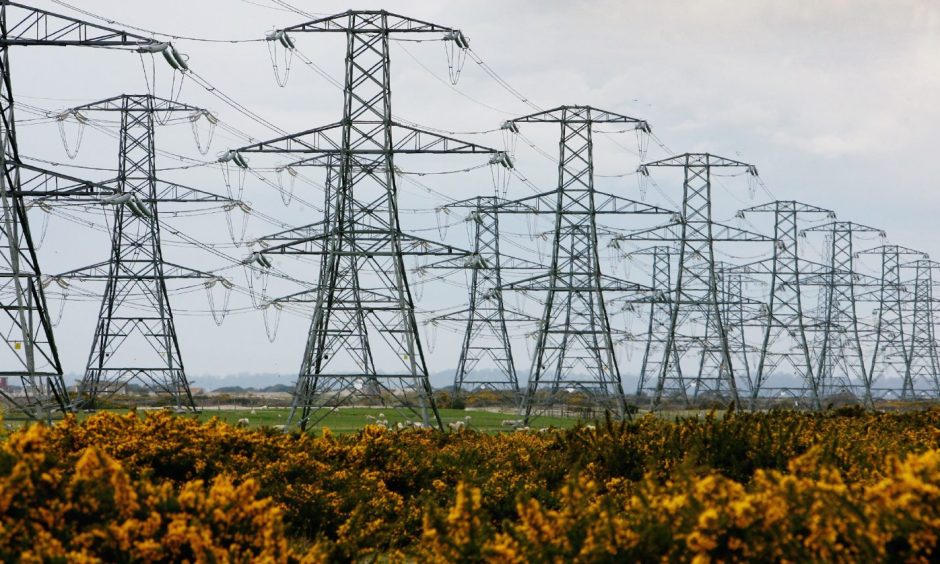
[[485, 335], [659, 315], [575, 350], [922, 369], [887, 337], [135, 337], [785, 320], [364, 310], [29, 351], [738, 311], [696, 299], [840, 359]]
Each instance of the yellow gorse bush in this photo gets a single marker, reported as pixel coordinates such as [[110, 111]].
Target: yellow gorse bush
[[779, 486]]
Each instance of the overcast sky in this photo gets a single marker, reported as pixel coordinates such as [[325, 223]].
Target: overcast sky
[[834, 101]]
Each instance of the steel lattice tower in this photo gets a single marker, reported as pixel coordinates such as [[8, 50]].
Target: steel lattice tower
[[696, 297], [840, 359], [923, 361], [486, 335], [888, 337], [738, 312], [659, 315], [30, 352], [135, 337], [575, 350], [363, 306], [785, 322]]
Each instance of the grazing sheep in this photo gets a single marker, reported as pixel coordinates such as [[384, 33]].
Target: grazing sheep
[[419, 425], [370, 417], [544, 430], [512, 422], [589, 427], [456, 425], [279, 427], [243, 422], [252, 411], [522, 429]]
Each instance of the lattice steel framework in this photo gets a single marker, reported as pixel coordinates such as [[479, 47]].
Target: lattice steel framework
[[486, 336], [922, 369], [575, 349], [738, 312], [887, 337], [363, 306], [840, 359], [785, 323], [135, 337], [659, 316], [29, 348], [696, 298]]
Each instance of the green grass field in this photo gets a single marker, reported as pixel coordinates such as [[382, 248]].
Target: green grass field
[[351, 419]]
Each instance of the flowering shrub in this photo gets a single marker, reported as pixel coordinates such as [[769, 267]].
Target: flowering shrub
[[843, 486]]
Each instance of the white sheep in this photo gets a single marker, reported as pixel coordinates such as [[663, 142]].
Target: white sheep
[[279, 427], [456, 425], [522, 429], [418, 425], [243, 422]]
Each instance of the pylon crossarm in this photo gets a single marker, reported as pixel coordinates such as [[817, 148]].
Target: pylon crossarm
[[316, 140], [31, 26], [171, 192], [415, 140], [788, 206], [508, 315], [407, 141], [464, 262], [548, 283], [364, 240], [728, 233], [97, 271], [367, 21], [36, 182], [309, 296], [293, 234], [893, 249], [668, 232], [824, 278], [686, 159], [605, 203], [102, 271], [119, 103], [580, 115], [843, 226]]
